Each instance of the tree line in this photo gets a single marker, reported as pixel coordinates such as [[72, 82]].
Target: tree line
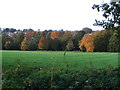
[[84, 40]]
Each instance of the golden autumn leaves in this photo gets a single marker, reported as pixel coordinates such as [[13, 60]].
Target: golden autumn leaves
[[96, 41]]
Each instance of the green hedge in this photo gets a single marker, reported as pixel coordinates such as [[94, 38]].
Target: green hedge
[[30, 78]]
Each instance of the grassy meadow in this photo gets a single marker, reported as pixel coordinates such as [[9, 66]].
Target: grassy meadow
[[47, 59]]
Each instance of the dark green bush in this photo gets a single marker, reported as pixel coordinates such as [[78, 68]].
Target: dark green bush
[[104, 78]]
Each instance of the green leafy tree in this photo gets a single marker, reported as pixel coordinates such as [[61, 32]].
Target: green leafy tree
[[70, 45], [33, 41], [66, 37], [87, 30], [17, 41], [32, 45], [77, 38], [28, 30], [101, 40], [114, 42], [56, 44]]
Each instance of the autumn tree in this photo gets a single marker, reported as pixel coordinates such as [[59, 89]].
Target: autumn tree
[[41, 43], [56, 34], [24, 44], [8, 45], [87, 42], [44, 33], [44, 43], [97, 41], [83, 48], [5, 39], [33, 39], [29, 35]]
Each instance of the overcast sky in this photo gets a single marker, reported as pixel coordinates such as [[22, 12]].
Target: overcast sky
[[49, 14]]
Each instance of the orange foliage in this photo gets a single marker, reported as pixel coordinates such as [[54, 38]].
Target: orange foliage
[[87, 41], [56, 34], [7, 42], [41, 43]]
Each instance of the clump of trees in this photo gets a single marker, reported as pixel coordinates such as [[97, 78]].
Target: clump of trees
[[44, 40], [111, 13], [98, 41], [108, 39]]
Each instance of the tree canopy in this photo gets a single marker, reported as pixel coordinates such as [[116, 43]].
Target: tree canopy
[[111, 12]]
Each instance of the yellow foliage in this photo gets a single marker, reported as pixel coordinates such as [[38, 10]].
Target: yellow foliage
[[87, 41], [24, 44]]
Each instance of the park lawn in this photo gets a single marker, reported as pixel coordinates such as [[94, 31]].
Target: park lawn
[[48, 59]]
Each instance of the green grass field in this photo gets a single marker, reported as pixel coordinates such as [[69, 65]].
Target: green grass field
[[46, 59]]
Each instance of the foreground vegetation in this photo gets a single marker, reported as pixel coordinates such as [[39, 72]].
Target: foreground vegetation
[[30, 78]]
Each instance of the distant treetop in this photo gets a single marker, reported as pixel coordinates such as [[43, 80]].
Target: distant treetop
[[87, 30]]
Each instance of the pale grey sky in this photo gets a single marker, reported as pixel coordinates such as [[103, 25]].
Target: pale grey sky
[[49, 14]]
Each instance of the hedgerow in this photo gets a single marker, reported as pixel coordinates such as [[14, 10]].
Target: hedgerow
[[30, 78]]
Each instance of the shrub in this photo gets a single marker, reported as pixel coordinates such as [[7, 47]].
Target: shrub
[[35, 78]]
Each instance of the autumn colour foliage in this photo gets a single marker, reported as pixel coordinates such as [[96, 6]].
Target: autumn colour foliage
[[44, 43], [56, 34], [41, 43], [24, 44], [7, 44], [87, 42], [98, 41]]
